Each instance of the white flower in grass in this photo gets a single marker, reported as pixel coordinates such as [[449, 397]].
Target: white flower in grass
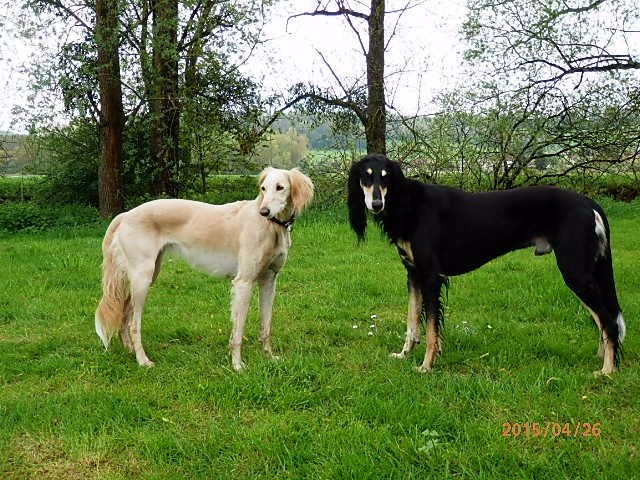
[[431, 440], [354, 326], [465, 327], [373, 316]]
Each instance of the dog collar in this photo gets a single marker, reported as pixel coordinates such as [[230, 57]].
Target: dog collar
[[288, 224]]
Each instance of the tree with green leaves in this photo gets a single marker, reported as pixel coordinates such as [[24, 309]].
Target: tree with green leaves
[[179, 77], [94, 58], [553, 43], [164, 100], [107, 39], [186, 80], [554, 90]]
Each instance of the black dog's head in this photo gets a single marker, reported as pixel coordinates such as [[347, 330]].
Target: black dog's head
[[370, 181]]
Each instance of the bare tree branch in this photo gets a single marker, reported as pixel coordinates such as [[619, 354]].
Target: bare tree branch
[[329, 13], [586, 8], [401, 12], [333, 73], [333, 101]]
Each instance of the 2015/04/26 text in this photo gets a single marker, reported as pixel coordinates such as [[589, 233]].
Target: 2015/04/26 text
[[551, 429]]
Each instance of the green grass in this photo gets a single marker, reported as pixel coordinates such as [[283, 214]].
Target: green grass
[[336, 406]]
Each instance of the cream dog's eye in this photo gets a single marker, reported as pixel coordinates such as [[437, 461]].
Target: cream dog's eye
[[279, 187], [263, 188]]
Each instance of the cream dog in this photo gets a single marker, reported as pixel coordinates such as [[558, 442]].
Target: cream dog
[[246, 240]]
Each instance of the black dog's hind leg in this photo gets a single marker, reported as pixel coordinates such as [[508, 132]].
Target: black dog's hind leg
[[591, 279], [414, 311], [434, 313]]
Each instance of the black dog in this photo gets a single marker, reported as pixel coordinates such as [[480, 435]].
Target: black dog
[[441, 231]]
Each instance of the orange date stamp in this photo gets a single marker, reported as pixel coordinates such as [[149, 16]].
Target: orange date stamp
[[551, 429]]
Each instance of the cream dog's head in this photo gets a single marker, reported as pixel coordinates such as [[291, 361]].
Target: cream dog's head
[[283, 193]]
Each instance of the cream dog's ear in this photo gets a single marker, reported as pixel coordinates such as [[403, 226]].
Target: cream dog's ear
[[301, 190]]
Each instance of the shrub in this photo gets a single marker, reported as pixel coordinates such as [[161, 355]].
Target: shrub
[[72, 166], [230, 188], [21, 215], [19, 188], [18, 216]]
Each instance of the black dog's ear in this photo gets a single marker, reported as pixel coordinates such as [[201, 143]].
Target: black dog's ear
[[355, 202]]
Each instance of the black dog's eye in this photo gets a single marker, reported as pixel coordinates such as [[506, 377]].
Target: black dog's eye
[[279, 187], [366, 176]]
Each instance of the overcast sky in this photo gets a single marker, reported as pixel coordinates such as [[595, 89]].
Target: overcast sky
[[422, 58]]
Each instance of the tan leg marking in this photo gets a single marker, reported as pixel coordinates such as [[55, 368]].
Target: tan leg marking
[[413, 323], [434, 345], [596, 320], [609, 365]]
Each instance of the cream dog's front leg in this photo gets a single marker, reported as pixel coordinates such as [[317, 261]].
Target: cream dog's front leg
[[241, 292]]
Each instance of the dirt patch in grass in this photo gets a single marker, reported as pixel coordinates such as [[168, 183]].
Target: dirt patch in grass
[[38, 457]]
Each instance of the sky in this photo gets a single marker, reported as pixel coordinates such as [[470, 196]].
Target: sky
[[422, 59], [16, 55]]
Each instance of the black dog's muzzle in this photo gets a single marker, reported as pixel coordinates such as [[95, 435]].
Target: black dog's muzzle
[[377, 203]]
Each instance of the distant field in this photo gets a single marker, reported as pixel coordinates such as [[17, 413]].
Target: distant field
[[519, 348]]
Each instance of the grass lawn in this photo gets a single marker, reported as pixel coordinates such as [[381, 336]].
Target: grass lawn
[[519, 348]]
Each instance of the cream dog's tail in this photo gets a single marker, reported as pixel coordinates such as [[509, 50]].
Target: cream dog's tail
[[113, 306]]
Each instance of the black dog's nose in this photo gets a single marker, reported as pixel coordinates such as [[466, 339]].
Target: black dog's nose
[[376, 205], [264, 211]]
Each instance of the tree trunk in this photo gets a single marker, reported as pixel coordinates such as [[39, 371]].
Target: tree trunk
[[110, 196], [375, 128], [165, 106]]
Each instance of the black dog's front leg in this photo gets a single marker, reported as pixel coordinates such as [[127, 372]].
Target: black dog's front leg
[[433, 308]]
